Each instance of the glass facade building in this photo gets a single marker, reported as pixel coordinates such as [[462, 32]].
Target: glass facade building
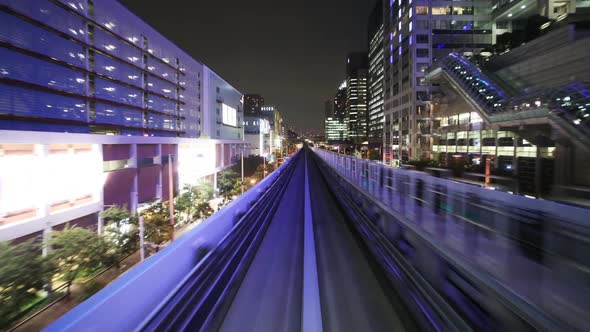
[[94, 67], [356, 115], [376, 58], [96, 106]]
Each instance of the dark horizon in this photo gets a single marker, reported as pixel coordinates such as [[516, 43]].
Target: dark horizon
[[293, 54]]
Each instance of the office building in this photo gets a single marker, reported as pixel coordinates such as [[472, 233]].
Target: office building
[[334, 126], [356, 114], [340, 110], [253, 104], [272, 114], [516, 109], [376, 59], [416, 34], [94, 106], [257, 136]]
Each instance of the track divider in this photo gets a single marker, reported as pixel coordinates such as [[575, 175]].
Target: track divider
[[311, 320]]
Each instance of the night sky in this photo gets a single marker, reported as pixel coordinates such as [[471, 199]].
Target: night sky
[[291, 52]]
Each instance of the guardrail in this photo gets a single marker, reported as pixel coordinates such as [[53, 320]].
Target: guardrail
[[200, 300], [505, 261], [126, 302]]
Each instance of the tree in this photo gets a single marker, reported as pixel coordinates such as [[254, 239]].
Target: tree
[[157, 228], [121, 229], [204, 210], [78, 250], [193, 202], [228, 183], [23, 273], [206, 191], [186, 201]]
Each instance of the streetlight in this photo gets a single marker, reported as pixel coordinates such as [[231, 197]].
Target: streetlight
[[243, 140], [171, 194]]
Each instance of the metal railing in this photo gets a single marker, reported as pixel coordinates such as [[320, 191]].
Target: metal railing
[[516, 260]]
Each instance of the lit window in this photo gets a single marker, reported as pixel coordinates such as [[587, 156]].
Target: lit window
[[229, 115], [443, 10], [421, 10]]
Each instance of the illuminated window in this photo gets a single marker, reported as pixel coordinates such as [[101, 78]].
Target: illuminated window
[[457, 10], [421, 10], [229, 116], [441, 10]]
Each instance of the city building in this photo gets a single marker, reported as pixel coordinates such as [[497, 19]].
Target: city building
[[356, 115], [340, 110], [416, 34], [334, 125], [95, 108], [218, 95], [495, 89], [376, 59], [257, 136], [253, 104], [277, 129]]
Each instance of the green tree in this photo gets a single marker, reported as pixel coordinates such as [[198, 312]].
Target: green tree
[[192, 203], [206, 191], [77, 251], [23, 273], [185, 203], [157, 228], [121, 229], [204, 210], [228, 183]]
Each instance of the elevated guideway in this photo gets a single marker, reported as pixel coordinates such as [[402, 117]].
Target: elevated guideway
[[334, 243]]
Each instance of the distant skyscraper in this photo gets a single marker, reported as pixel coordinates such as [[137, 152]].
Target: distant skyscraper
[[334, 126], [376, 59], [253, 104], [340, 104], [356, 97]]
